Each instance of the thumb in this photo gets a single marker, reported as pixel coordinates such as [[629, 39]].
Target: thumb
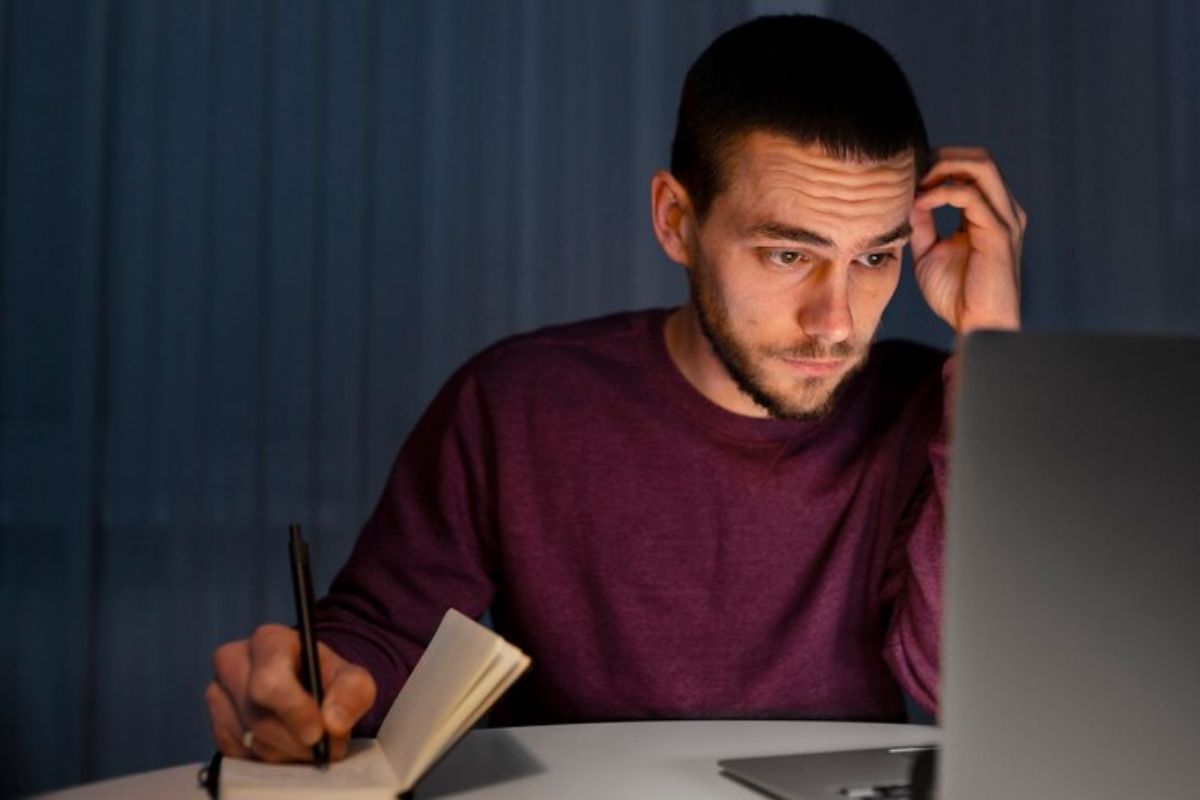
[[349, 694]]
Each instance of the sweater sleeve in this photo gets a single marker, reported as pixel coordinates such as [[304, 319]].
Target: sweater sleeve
[[913, 587], [424, 549]]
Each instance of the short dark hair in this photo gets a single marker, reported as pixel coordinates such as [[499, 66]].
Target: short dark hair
[[815, 80]]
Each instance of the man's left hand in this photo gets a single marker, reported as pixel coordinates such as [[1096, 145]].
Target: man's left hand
[[971, 278]]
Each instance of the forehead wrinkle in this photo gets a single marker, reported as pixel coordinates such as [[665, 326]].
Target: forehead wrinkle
[[779, 184], [880, 176], [784, 203], [854, 200], [779, 215], [882, 180], [823, 188], [772, 160], [792, 182], [778, 149]]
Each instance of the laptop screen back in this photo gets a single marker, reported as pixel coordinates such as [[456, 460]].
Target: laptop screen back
[[1072, 646]]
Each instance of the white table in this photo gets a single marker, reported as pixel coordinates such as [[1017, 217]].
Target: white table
[[628, 760]]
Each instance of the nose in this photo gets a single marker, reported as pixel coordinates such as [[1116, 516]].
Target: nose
[[824, 305]]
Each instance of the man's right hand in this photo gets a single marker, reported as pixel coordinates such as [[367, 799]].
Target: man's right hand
[[256, 690]]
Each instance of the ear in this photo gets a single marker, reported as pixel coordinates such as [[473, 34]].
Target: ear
[[671, 215]]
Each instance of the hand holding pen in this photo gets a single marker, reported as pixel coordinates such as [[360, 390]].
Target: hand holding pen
[[260, 707]]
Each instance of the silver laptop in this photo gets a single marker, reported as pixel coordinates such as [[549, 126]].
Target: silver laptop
[[1071, 658], [845, 775]]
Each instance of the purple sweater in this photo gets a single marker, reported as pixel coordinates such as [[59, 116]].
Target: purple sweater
[[656, 555]]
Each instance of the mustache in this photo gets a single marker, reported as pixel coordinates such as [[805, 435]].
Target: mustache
[[812, 349]]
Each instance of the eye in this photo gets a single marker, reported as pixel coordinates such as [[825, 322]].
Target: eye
[[786, 258], [876, 260]]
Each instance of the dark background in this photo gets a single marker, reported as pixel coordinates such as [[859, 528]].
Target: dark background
[[242, 243]]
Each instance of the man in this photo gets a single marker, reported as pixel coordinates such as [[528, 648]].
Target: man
[[730, 509]]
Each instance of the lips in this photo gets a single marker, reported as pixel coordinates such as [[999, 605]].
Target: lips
[[815, 367]]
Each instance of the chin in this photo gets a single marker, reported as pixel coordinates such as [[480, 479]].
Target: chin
[[811, 399], [812, 412]]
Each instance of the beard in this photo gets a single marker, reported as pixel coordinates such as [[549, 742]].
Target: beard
[[810, 398]]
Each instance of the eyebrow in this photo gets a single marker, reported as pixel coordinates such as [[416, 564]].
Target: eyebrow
[[775, 230], [901, 231]]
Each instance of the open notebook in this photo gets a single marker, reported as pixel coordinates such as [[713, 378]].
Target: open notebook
[[463, 672]]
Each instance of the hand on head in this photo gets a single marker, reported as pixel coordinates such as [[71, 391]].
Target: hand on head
[[971, 278], [259, 709]]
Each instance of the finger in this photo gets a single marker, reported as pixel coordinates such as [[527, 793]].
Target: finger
[[975, 165], [272, 741], [338, 748], [231, 667], [924, 232], [274, 689], [978, 214], [233, 712], [948, 160], [226, 726], [349, 693], [990, 183], [959, 151], [231, 673], [264, 753]]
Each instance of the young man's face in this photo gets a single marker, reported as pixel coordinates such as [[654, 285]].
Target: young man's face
[[793, 266]]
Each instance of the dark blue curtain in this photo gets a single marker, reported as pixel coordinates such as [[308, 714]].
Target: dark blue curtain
[[242, 243]]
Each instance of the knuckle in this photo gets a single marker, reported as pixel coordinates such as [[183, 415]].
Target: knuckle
[[212, 698], [227, 658], [266, 687], [265, 632]]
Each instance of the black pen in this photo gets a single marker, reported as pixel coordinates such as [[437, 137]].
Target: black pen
[[310, 665]]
